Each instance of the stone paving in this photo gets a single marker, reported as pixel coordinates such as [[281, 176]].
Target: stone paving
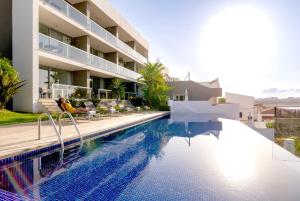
[[24, 137]]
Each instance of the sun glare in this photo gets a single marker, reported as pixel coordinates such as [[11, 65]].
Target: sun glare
[[239, 39]]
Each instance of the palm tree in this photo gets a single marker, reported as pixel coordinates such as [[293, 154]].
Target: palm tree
[[9, 82], [55, 76], [156, 89], [118, 88]]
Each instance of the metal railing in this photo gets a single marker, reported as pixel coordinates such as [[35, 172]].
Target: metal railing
[[74, 124], [59, 134], [54, 127], [59, 48], [126, 48], [69, 11], [104, 93], [77, 16], [103, 33], [65, 91]]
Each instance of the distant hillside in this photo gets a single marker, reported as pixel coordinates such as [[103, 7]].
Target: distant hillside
[[274, 101]]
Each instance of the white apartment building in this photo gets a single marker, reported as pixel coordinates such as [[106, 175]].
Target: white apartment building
[[246, 104], [69, 47]]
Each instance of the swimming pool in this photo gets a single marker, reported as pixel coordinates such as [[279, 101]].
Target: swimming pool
[[177, 157]]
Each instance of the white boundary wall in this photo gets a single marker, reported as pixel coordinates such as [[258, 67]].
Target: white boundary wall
[[204, 107], [246, 104]]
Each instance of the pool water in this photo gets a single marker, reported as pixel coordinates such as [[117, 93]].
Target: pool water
[[177, 157]]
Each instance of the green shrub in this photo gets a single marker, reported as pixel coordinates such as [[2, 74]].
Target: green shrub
[[118, 89], [138, 101], [10, 82], [164, 108], [102, 109], [95, 100], [270, 124], [221, 100], [75, 102], [120, 109]]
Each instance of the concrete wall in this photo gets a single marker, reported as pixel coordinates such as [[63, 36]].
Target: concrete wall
[[204, 107], [131, 66], [112, 56], [113, 30], [196, 91], [83, 7], [83, 43], [25, 52], [246, 104], [132, 44], [6, 28], [81, 78], [118, 19]]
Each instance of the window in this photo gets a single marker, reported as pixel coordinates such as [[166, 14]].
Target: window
[[44, 77], [97, 53], [179, 98], [48, 76], [54, 34], [44, 29]]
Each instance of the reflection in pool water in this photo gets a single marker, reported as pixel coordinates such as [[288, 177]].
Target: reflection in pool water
[[173, 158]]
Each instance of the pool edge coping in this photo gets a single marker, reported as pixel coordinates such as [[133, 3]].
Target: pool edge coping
[[46, 148]]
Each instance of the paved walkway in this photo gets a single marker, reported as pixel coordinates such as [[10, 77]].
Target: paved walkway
[[24, 137]]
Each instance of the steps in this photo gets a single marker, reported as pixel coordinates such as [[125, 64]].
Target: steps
[[48, 105]]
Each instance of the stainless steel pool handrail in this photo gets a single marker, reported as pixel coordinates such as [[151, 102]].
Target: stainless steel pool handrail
[[74, 124], [57, 166], [54, 127]]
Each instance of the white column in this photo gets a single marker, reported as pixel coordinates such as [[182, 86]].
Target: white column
[[25, 52]]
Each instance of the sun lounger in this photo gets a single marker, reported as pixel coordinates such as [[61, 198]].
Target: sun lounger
[[92, 109], [87, 114]]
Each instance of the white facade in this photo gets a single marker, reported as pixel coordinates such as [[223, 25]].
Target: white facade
[[87, 42], [205, 107], [246, 104]]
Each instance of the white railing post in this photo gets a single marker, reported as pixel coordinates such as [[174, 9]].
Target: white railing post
[[68, 12], [53, 95]]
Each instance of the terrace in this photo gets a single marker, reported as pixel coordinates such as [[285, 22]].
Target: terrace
[[16, 139]]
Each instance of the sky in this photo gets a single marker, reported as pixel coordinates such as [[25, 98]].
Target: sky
[[252, 46]]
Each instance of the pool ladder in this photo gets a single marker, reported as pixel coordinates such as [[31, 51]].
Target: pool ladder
[[59, 132]]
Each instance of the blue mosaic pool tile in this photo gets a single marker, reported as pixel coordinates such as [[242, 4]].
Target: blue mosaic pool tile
[[112, 133], [7, 196]]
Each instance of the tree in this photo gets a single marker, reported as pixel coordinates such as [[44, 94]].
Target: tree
[[55, 76], [9, 82], [156, 89], [118, 89]]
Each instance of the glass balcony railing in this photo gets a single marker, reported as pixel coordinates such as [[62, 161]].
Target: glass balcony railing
[[61, 49], [69, 11], [62, 90], [92, 26]]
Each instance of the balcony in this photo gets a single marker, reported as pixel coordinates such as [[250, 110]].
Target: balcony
[[61, 90], [75, 15], [61, 49]]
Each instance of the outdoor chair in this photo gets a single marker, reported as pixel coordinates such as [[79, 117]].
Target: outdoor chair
[[125, 108], [92, 109], [87, 114], [104, 108]]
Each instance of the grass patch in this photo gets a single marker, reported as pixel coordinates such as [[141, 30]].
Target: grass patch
[[8, 117]]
